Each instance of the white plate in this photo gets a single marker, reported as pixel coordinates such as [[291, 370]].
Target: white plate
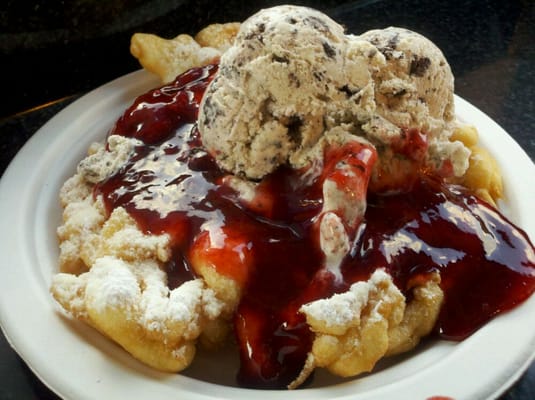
[[78, 363]]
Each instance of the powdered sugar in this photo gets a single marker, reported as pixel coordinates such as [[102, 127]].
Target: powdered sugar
[[111, 283], [345, 309]]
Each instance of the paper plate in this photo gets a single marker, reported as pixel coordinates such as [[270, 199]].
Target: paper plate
[[78, 363]]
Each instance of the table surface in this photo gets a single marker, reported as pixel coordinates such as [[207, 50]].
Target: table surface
[[51, 53]]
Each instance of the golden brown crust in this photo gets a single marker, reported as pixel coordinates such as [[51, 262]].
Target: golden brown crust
[[218, 36], [112, 278], [419, 318], [355, 329], [483, 175], [168, 58]]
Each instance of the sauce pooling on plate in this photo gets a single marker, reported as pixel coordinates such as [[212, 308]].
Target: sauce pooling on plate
[[172, 185]]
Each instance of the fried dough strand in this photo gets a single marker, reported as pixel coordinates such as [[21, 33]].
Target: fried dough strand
[[168, 58]]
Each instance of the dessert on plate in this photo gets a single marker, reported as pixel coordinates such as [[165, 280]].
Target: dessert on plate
[[300, 193]]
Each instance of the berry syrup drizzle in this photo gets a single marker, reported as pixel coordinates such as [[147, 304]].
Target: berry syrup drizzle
[[172, 185]]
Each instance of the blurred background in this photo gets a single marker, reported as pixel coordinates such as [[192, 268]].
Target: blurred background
[[52, 52]]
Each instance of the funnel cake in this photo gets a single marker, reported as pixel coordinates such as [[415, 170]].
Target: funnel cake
[[326, 224]]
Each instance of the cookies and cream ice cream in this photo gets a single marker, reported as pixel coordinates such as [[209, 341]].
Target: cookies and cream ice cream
[[293, 75], [414, 89]]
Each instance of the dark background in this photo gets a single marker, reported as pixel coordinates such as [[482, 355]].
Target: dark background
[[52, 52]]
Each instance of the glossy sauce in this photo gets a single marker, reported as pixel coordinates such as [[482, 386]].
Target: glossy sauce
[[172, 185]]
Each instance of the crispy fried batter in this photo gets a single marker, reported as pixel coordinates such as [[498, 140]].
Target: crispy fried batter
[[131, 304], [218, 36], [419, 318], [355, 329], [168, 58], [112, 277], [483, 175]]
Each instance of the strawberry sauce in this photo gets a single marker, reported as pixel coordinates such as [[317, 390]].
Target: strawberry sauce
[[270, 247]]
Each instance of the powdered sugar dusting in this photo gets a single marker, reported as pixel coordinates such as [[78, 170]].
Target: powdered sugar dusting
[[111, 283], [344, 309]]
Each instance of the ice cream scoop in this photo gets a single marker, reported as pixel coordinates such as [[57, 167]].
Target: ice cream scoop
[[291, 75], [414, 89]]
